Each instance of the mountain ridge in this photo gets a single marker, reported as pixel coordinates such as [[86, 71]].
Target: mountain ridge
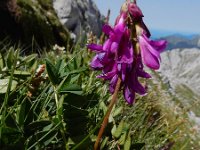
[[182, 41]]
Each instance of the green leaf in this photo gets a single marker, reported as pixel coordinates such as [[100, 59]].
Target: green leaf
[[59, 65], [52, 72], [21, 74], [60, 106], [42, 138], [38, 124], [75, 71], [10, 58], [114, 128], [35, 126], [75, 63], [24, 73], [104, 143], [29, 58], [75, 78], [73, 112], [123, 138], [65, 81], [73, 88], [126, 126], [10, 121], [70, 66], [20, 115], [127, 144], [33, 66], [9, 130], [119, 130], [10, 136], [29, 112], [22, 112], [117, 111], [1, 61], [4, 85], [49, 137]]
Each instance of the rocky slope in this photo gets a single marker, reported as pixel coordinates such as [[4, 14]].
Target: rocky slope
[[180, 72], [182, 67]]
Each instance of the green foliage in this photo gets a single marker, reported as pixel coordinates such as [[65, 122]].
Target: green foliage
[[4, 85], [52, 72], [44, 109], [61, 106]]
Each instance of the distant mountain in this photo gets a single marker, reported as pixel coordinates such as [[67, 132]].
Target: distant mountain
[[182, 67], [180, 72], [180, 78], [181, 41]]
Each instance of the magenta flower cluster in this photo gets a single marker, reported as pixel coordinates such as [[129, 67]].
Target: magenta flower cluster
[[118, 57]]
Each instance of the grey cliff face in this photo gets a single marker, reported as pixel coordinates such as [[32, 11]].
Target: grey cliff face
[[79, 16]]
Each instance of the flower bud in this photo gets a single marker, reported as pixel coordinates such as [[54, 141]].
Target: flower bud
[[135, 11]]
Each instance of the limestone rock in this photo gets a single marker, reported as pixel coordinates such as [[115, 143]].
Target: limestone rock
[[79, 16]]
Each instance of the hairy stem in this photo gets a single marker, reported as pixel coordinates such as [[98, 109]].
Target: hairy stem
[[105, 121]]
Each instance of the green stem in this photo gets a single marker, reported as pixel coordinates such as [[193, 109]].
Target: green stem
[[56, 97], [62, 130]]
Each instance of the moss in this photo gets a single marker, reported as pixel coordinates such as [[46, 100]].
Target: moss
[[46, 4], [39, 21]]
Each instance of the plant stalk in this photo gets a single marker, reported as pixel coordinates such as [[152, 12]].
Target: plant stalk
[[105, 120], [62, 130]]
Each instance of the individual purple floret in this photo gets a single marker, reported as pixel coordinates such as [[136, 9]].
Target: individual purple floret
[[150, 51]]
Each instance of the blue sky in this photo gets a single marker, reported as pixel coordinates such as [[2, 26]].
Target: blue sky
[[178, 16]]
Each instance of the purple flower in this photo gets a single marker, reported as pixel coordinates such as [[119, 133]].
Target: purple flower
[[131, 83], [134, 11], [116, 49], [115, 54], [150, 51], [117, 58]]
